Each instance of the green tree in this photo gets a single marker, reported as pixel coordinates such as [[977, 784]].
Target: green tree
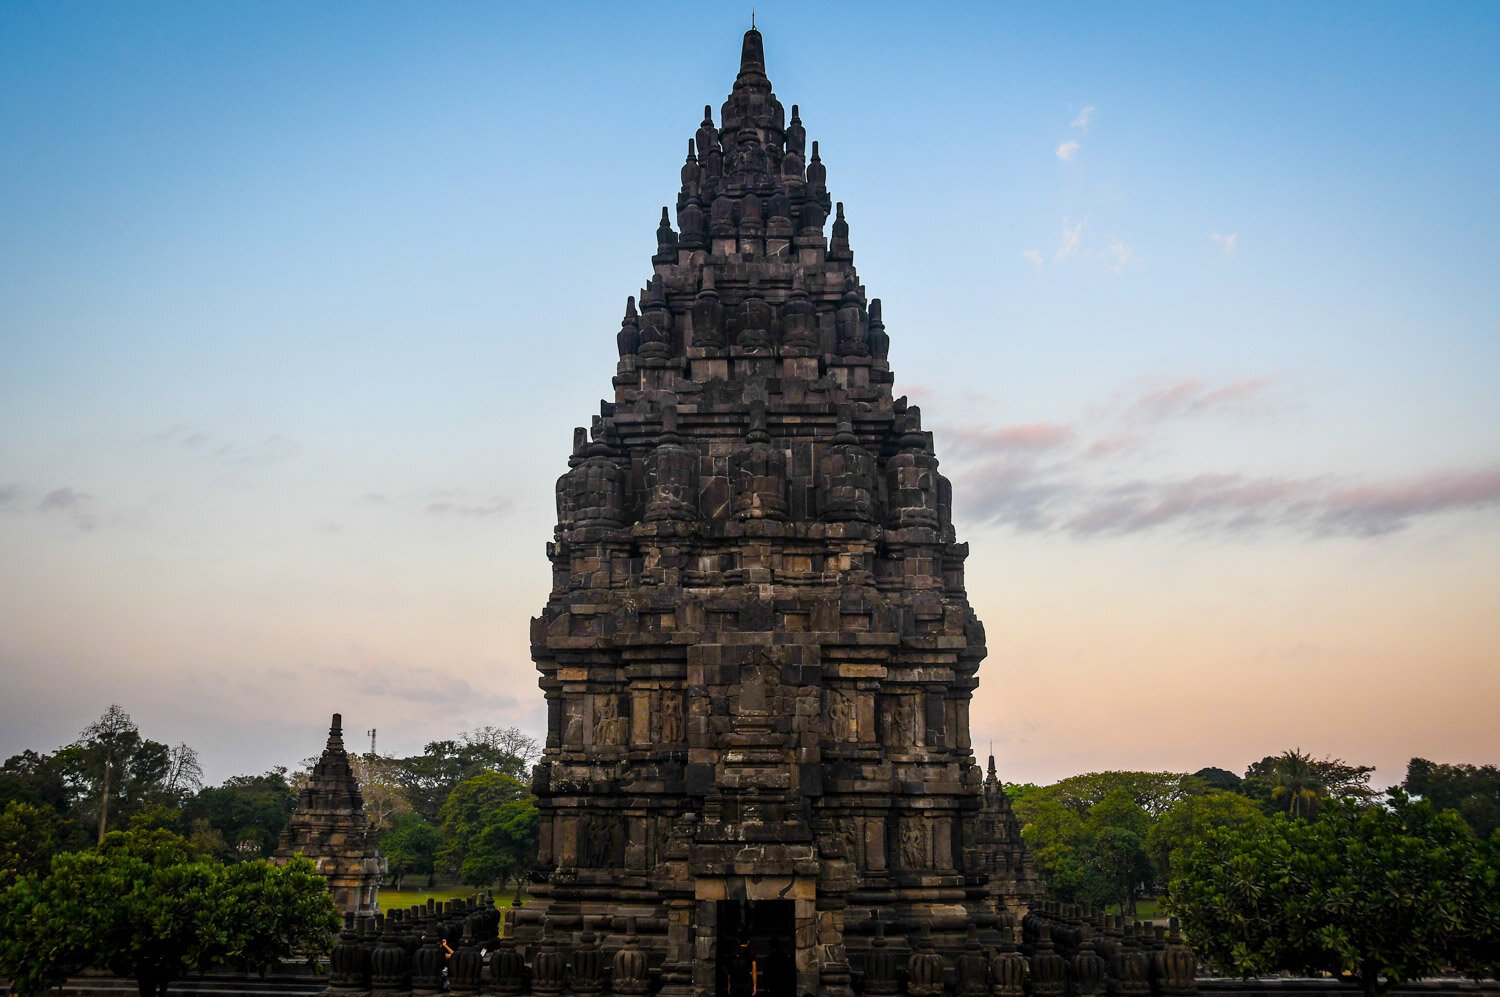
[[1153, 792], [1117, 869], [144, 905], [29, 836], [1297, 784], [113, 772], [247, 814], [1056, 835], [1472, 790], [1375, 895], [1118, 809], [1114, 866], [489, 829], [1190, 820], [1219, 779], [271, 913], [410, 847], [1098, 854], [428, 778], [380, 786], [1064, 825], [32, 777]]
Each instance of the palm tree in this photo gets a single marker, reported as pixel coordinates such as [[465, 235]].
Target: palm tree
[[1299, 779]]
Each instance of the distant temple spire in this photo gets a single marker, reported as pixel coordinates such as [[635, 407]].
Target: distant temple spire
[[328, 826]]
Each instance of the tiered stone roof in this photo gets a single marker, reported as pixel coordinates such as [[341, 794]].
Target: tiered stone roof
[[329, 827], [758, 653]]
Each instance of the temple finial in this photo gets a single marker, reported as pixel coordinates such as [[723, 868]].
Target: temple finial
[[752, 54]]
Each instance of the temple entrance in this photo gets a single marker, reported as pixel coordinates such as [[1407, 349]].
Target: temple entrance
[[757, 949]]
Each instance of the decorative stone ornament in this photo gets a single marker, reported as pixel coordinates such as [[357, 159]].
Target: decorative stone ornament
[[630, 968]]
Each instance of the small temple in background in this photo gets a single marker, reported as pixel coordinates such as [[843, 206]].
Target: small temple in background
[[758, 654], [328, 827]]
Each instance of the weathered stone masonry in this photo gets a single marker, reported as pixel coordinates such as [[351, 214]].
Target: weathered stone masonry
[[329, 827], [758, 655]]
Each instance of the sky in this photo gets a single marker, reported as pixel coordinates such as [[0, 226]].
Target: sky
[[300, 303]]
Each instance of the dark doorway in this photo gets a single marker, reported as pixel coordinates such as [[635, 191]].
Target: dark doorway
[[757, 949]]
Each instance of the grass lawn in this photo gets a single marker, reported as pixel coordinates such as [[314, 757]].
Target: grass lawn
[[1148, 909], [401, 899]]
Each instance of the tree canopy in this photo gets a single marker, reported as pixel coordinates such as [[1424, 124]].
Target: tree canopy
[[1298, 784], [1471, 790], [428, 778], [489, 828], [1095, 853], [1190, 820], [245, 815], [29, 836], [1376, 895], [1153, 792], [410, 847], [144, 904]]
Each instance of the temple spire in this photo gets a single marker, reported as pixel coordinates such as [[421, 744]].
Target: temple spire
[[752, 55]]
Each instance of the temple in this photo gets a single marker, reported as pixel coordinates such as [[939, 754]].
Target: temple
[[328, 826], [758, 655]]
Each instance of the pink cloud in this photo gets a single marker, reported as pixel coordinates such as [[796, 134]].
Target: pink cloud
[[1030, 497], [1106, 446], [1380, 508], [1031, 437], [1194, 396]]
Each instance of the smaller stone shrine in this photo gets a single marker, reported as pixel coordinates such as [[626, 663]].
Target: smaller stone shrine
[[328, 827]]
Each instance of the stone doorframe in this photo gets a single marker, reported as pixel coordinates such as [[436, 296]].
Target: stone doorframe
[[709, 890]]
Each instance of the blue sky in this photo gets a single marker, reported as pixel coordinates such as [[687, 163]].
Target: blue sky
[[299, 305]]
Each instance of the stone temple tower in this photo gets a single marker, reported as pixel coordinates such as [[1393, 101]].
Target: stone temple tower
[[328, 826], [758, 654]]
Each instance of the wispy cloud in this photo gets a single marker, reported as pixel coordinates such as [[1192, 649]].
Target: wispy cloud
[[70, 502], [1032, 497], [1073, 242], [266, 450], [1011, 491], [495, 505], [441, 503], [1228, 243], [1119, 256], [1031, 436], [1067, 150], [1072, 238], [1382, 507], [1114, 443], [1153, 401], [1064, 477], [1085, 116], [382, 679]]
